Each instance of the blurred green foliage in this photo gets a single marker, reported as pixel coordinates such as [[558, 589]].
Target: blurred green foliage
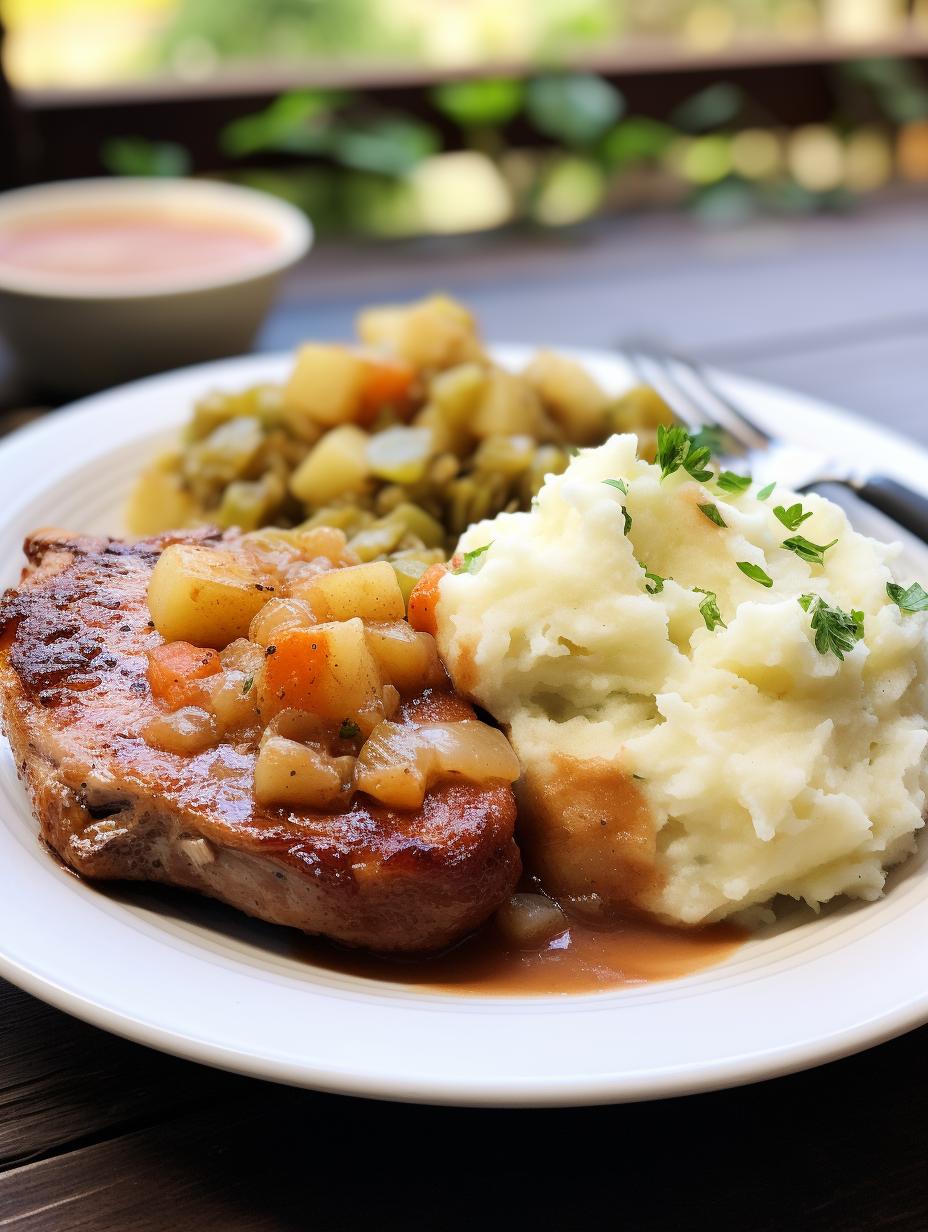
[[554, 149], [137, 156], [576, 108], [477, 104], [279, 29]]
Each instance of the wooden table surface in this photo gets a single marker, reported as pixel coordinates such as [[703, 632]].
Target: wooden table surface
[[100, 1134]]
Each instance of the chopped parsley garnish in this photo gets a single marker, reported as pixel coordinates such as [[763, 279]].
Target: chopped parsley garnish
[[836, 631], [814, 553], [755, 573], [709, 609], [711, 438], [765, 492], [728, 481], [348, 730], [676, 448], [246, 685], [654, 583], [915, 599], [620, 484], [712, 513], [469, 563], [793, 517]]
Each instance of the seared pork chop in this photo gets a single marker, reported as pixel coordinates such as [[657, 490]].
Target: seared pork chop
[[73, 654]]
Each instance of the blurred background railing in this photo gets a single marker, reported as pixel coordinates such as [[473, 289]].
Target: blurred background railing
[[392, 118]]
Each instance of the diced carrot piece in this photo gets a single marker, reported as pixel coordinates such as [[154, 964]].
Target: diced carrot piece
[[175, 670], [326, 669], [294, 669], [420, 611], [386, 383]]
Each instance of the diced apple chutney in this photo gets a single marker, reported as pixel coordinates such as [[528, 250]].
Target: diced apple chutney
[[285, 643]]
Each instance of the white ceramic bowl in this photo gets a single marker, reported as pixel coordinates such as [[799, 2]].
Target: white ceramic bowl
[[77, 334]]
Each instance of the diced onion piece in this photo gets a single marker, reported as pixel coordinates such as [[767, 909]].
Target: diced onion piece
[[369, 591], [327, 541], [188, 730], [398, 763], [400, 455], [327, 669], [233, 700], [298, 725], [277, 616], [409, 660], [526, 920], [242, 656], [391, 700], [287, 772], [203, 595]]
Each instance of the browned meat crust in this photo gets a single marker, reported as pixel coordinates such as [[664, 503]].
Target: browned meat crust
[[73, 642]]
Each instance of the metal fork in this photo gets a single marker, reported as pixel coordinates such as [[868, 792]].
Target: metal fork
[[691, 393]]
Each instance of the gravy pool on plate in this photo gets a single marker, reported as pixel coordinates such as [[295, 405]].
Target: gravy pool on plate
[[123, 243]]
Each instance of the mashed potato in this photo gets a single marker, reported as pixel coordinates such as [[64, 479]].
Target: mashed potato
[[689, 753]]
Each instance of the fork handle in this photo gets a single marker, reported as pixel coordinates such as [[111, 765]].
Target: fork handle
[[902, 504]]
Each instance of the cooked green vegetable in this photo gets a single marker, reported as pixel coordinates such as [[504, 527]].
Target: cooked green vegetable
[[402, 443]]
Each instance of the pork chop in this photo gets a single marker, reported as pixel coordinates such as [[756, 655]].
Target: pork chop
[[74, 639]]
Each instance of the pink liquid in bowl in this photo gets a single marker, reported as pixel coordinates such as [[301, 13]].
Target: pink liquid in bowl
[[123, 245]]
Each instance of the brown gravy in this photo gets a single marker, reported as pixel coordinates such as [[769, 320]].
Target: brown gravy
[[585, 958], [126, 244]]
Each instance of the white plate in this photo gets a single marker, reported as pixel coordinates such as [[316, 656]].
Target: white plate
[[218, 988]]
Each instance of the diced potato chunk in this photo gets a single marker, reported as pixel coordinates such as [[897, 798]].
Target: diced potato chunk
[[434, 333], [409, 660], [186, 731], [571, 395], [370, 591], [327, 670], [326, 384], [456, 392], [508, 407], [287, 772], [336, 466], [159, 499], [203, 595]]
